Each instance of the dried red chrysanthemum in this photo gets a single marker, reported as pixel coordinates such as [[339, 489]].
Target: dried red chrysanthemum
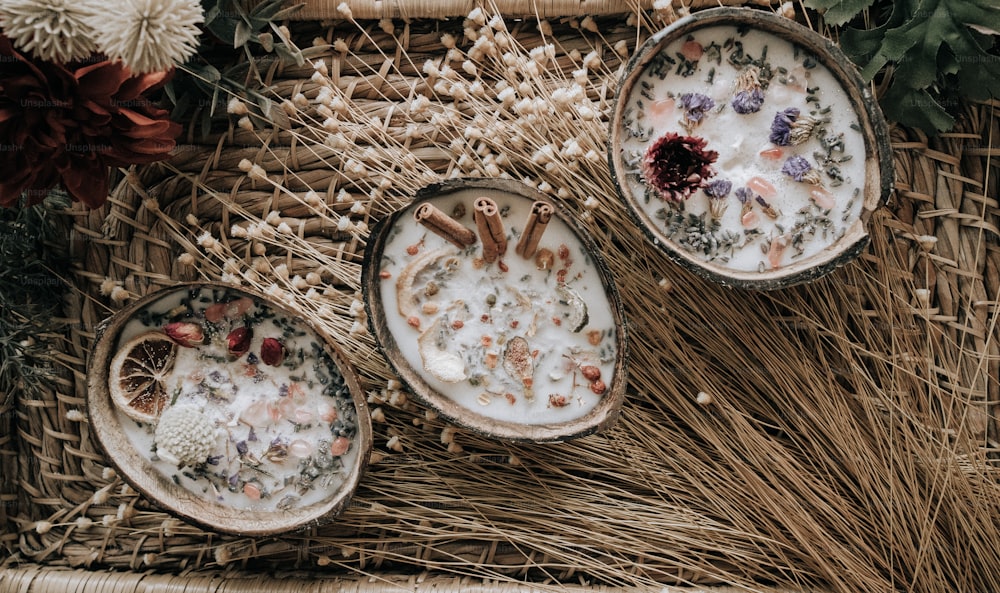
[[70, 124], [676, 166]]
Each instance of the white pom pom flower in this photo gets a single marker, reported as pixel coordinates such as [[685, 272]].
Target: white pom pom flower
[[184, 436], [54, 30], [148, 35]]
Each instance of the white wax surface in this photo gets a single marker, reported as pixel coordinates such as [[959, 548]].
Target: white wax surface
[[740, 138], [288, 402], [526, 303]]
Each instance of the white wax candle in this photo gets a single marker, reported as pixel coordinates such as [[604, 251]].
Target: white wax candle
[[459, 316], [276, 425], [799, 218]]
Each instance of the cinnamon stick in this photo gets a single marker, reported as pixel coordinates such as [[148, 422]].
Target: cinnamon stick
[[538, 221], [491, 231], [440, 223]]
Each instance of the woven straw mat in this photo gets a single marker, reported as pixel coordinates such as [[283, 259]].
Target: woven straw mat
[[893, 356]]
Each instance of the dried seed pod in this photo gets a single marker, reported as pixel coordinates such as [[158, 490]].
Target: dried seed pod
[[518, 362], [544, 259]]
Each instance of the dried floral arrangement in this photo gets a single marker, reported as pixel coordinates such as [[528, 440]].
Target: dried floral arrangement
[[81, 83]]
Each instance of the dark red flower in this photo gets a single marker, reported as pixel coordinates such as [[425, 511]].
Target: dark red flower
[[70, 124], [676, 166], [238, 341]]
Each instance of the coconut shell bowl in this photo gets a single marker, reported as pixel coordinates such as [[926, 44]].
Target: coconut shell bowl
[[495, 308], [748, 149], [227, 409]]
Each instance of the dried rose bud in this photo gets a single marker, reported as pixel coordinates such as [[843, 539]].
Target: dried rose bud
[[598, 387], [272, 352], [590, 373], [185, 333], [238, 341]]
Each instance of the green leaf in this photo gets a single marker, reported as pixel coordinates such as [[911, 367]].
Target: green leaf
[[916, 108], [267, 11], [215, 100], [289, 56], [206, 123], [211, 14], [938, 23], [181, 107], [223, 28], [864, 46], [287, 12], [168, 90], [839, 12], [242, 34], [980, 80]]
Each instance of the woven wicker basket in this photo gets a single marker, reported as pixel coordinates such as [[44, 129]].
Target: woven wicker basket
[[723, 388]]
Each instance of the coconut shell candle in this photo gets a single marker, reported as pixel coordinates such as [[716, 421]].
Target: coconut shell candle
[[748, 149], [518, 334], [229, 410]]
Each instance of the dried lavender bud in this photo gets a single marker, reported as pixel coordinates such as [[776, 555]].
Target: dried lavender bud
[[745, 195]]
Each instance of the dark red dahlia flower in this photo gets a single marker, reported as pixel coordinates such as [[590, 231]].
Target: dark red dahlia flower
[[676, 166], [70, 124]]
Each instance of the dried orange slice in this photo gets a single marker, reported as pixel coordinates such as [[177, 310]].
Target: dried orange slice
[[138, 374]]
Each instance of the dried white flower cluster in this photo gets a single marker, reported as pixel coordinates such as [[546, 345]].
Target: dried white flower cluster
[[184, 436], [149, 35], [144, 35], [55, 30]]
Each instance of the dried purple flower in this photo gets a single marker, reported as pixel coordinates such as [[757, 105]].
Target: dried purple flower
[[781, 127], [766, 207], [745, 195], [695, 105], [748, 101], [717, 191], [799, 169], [748, 218], [719, 188], [749, 96], [676, 166]]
